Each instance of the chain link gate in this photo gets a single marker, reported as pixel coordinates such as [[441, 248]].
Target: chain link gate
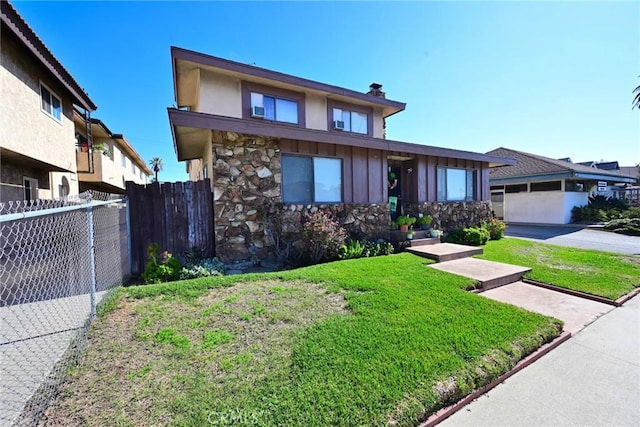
[[58, 261]]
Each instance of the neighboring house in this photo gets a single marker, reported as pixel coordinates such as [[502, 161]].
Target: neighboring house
[[542, 190], [110, 162], [276, 146], [37, 132]]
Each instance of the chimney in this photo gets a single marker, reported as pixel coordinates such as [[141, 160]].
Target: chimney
[[374, 89]]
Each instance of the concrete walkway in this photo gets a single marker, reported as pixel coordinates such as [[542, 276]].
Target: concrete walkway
[[575, 312], [591, 380]]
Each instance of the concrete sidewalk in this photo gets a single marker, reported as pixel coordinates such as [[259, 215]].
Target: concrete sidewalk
[[591, 380]]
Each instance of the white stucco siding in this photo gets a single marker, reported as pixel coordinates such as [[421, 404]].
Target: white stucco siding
[[541, 207], [220, 95], [316, 112], [24, 127], [571, 200]]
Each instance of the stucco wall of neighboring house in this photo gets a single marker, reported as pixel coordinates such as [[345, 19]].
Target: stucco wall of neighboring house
[[26, 129], [220, 95], [542, 207], [572, 199], [11, 181]]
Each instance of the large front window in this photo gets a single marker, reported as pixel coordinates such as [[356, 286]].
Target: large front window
[[456, 185], [311, 179], [274, 108]]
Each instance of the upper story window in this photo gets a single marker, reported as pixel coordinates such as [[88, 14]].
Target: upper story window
[[274, 104], [455, 185], [50, 103], [311, 179], [273, 108], [123, 160], [350, 121], [350, 118], [133, 168]]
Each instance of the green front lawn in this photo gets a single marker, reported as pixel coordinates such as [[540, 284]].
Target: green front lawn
[[371, 341], [598, 273]]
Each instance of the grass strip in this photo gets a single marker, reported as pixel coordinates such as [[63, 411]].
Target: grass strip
[[598, 273]]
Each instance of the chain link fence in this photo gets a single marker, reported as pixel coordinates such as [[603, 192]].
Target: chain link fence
[[59, 260]]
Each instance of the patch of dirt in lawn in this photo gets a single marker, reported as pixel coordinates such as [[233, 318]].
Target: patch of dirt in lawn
[[147, 356]]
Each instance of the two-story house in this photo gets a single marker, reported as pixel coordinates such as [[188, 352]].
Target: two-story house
[[278, 146], [37, 130], [109, 162]]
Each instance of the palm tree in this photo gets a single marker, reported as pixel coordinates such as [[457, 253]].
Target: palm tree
[[636, 100], [156, 165]]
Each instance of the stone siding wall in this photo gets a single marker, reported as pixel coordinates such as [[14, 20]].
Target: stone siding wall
[[449, 216], [247, 179]]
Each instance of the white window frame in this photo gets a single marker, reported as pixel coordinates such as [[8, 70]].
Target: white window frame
[[123, 160], [52, 95], [257, 100], [341, 112], [33, 186]]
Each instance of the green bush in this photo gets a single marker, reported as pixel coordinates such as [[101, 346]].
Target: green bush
[[424, 221], [628, 226], [474, 236], [601, 209], [495, 227], [160, 267], [353, 249], [203, 268]]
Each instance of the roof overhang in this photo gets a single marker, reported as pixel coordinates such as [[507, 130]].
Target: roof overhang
[[191, 131], [562, 175], [184, 61], [12, 20], [8, 156]]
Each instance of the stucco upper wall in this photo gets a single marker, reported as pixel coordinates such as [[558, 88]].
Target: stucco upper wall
[[220, 95], [26, 129]]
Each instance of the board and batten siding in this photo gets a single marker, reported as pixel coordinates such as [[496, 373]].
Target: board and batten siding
[[365, 172]]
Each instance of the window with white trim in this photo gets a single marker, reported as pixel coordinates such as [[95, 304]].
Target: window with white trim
[[274, 108], [311, 179], [123, 160], [30, 188], [456, 185], [350, 121], [50, 103]]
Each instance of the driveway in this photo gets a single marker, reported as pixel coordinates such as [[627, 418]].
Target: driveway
[[577, 237]]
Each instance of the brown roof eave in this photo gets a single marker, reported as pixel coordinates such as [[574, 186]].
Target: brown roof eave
[[178, 53], [209, 121], [19, 27]]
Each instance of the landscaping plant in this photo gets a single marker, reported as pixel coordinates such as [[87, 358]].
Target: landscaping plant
[[323, 237], [353, 249], [495, 227], [160, 267], [474, 236]]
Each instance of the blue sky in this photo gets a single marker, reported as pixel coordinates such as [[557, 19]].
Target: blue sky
[[545, 77]]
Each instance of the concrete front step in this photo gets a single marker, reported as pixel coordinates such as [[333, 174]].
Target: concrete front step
[[424, 241], [490, 274], [442, 252]]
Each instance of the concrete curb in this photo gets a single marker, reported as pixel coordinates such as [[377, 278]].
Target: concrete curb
[[445, 413], [615, 303]]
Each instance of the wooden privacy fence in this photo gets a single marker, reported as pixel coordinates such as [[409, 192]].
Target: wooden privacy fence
[[177, 216]]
